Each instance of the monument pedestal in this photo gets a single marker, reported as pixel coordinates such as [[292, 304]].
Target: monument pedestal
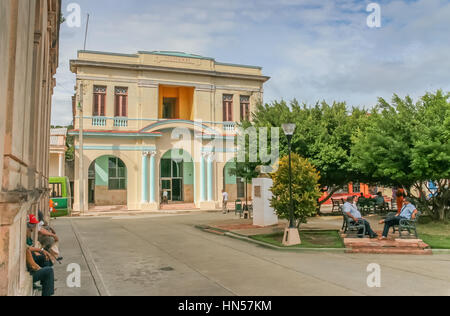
[[291, 237], [263, 214]]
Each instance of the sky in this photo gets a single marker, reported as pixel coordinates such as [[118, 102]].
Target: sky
[[313, 50]]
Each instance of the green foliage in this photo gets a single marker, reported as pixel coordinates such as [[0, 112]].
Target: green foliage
[[407, 144], [305, 189], [246, 169], [324, 136]]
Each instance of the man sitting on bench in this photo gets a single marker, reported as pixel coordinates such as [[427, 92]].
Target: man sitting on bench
[[350, 209], [408, 211]]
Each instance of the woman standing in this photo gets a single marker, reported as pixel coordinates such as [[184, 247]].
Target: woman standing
[[400, 197]]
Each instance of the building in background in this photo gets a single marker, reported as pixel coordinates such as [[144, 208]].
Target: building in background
[[137, 108], [29, 44], [58, 150]]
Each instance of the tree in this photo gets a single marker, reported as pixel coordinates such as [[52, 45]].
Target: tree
[[407, 144], [324, 136], [247, 169], [305, 189]]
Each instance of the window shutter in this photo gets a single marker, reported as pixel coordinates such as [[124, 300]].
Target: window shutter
[[103, 105]]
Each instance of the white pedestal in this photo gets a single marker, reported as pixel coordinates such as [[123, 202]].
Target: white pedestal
[[263, 214], [291, 237]]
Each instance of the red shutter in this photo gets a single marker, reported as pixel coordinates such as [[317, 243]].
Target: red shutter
[[103, 105], [95, 105], [230, 111], [125, 106], [117, 106], [224, 111]]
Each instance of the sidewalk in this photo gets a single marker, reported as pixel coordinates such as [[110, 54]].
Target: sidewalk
[[137, 213], [73, 253]]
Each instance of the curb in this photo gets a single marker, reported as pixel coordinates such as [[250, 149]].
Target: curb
[[269, 246], [440, 251], [139, 213]]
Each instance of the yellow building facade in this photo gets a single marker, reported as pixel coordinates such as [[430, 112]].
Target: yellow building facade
[[158, 128], [29, 52]]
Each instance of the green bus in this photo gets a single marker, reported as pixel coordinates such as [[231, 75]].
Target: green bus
[[61, 196]]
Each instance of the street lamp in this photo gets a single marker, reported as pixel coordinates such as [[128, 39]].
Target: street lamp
[[291, 235]]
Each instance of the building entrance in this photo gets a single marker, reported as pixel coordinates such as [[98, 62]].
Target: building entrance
[[171, 180]]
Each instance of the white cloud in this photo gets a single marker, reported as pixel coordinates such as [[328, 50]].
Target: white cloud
[[313, 50]]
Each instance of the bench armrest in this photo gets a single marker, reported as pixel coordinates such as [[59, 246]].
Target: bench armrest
[[407, 222]]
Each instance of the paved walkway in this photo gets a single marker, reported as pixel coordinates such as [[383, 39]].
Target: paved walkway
[[167, 255]]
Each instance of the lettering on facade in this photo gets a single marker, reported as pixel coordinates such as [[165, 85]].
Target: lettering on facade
[[177, 60]]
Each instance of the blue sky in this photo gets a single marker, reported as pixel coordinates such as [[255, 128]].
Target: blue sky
[[313, 49]]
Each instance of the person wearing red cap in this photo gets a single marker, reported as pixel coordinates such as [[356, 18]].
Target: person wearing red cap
[[38, 261]]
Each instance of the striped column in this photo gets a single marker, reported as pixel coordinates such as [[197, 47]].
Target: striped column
[[152, 177], [202, 178], [144, 177], [210, 177]]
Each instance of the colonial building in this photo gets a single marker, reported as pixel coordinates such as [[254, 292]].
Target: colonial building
[[159, 126], [58, 152], [29, 37]]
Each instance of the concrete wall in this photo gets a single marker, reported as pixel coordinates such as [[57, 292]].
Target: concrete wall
[[29, 32]]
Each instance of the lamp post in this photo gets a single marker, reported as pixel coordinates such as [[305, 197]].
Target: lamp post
[[291, 235]]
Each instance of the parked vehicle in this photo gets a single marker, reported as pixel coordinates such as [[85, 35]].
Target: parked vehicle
[[60, 196]]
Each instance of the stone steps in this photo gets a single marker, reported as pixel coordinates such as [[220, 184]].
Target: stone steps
[[390, 246], [397, 251], [178, 206]]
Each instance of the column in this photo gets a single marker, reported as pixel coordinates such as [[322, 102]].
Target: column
[[144, 177], [61, 163], [202, 178], [152, 176], [210, 177]]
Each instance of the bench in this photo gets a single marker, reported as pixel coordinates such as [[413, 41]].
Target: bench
[[382, 208], [366, 206], [351, 226], [238, 208], [408, 225], [336, 204]]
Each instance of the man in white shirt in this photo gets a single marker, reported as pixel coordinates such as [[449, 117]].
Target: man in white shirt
[[350, 209], [408, 211], [224, 202]]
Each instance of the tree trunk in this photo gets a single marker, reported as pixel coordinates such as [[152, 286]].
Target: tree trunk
[[320, 203]]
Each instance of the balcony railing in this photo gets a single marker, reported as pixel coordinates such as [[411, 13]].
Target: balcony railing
[[126, 123], [229, 127], [120, 122], [99, 121]]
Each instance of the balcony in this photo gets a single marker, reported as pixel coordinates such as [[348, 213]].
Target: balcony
[[120, 122], [229, 127], [135, 124], [99, 121]]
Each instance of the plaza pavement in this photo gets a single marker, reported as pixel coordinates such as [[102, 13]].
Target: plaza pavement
[[165, 254]]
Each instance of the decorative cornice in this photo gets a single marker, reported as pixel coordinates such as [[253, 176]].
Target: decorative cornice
[[100, 133], [140, 67], [121, 148], [145, 83]]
